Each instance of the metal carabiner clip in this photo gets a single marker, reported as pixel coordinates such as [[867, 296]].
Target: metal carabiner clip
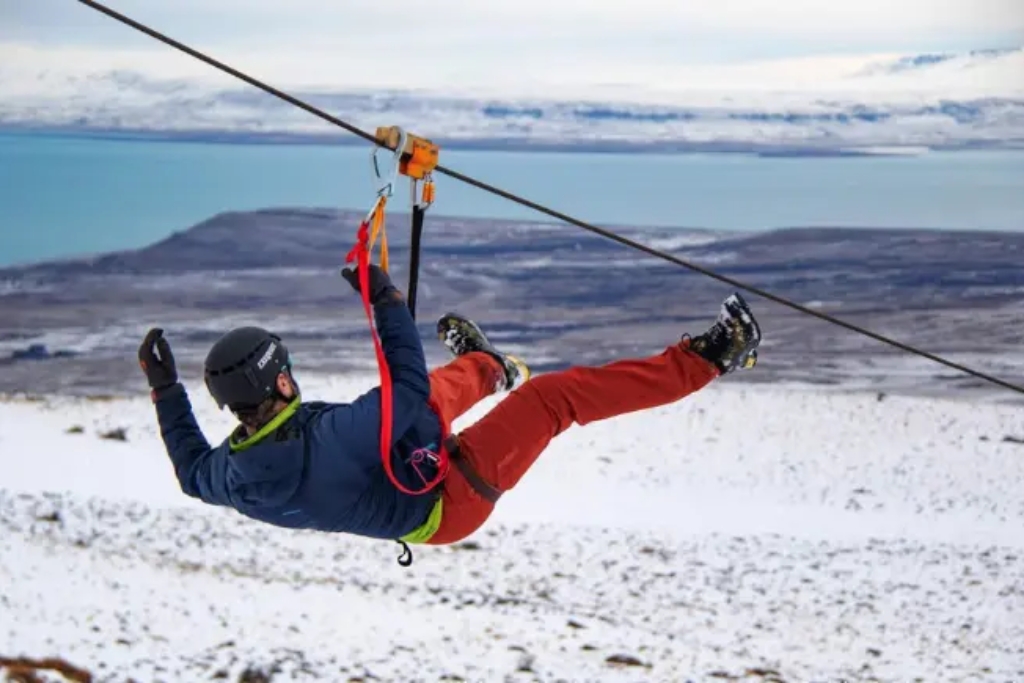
[[385, 188], [422, 191]]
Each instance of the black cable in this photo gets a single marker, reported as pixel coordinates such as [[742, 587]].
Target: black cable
[[543, 209]]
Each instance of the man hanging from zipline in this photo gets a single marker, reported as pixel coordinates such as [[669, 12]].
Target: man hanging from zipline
[[381, 465], [317, 465]]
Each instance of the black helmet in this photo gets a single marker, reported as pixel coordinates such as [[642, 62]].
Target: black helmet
[[242, 367]]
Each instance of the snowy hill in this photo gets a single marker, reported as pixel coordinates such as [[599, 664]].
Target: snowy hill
[[800, 106], [743, 534], [560, 295]]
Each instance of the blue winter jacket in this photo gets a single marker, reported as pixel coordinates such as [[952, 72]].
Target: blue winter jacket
[[318, 466]]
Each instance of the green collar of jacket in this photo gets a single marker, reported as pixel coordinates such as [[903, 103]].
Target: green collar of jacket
[[238, 442]]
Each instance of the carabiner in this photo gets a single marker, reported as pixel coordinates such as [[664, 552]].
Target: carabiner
[[386, 188], [423, 199]]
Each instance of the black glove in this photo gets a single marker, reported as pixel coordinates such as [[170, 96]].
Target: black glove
[[160, 369], [381, 287]]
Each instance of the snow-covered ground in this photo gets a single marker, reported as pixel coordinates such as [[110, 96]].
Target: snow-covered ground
[[870, 103], [742, 534]]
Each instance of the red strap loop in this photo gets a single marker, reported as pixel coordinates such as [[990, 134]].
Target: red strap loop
[[361, 253]]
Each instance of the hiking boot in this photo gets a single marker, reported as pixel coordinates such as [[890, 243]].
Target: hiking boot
[[461, 336], [731, 343]]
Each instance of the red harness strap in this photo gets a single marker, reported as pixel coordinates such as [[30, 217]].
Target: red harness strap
[[361, 253]]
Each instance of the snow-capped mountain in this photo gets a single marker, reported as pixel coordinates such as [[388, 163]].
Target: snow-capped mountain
[[813, 104]]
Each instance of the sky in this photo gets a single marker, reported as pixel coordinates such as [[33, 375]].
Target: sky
[[496, 43], [695, 31]]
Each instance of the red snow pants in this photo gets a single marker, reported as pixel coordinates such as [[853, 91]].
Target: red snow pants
[[502, 445]]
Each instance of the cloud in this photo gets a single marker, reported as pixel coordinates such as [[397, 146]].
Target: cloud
[[499, 44], [793, 16], [432, 25]]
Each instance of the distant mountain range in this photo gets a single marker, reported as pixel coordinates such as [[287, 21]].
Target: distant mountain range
[[813, 106]]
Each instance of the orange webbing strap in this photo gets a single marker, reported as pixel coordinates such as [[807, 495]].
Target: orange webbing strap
[[377, 228]]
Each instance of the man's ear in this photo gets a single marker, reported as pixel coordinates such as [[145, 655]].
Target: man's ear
[[285, 386]]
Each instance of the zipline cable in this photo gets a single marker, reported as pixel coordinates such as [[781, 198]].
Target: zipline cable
[[113, 14]]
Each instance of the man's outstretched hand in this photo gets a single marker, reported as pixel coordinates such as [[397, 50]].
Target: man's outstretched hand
[[381, 287], [157, 361]]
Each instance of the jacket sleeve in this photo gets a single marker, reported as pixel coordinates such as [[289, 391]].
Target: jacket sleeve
[[403, 351], [358, 424], [195, 463]]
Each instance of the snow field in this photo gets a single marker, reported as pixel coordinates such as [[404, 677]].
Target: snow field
[[745, 533]]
